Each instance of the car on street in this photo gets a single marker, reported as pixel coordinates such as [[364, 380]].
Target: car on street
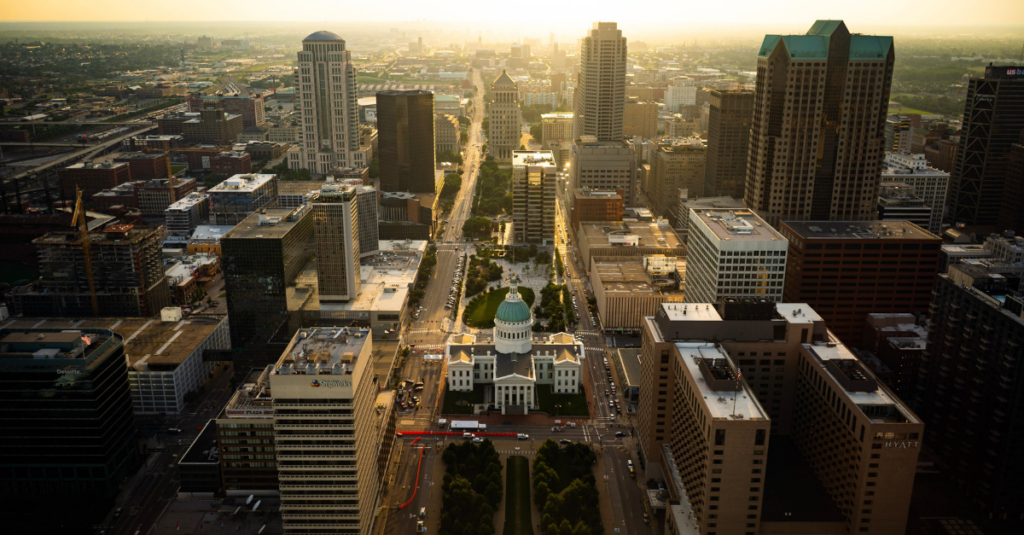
[[565, 441], [620, 434], [477, 440], [522, 436], [174, 430], [629, 463], [647, 518], [611, 403], [420, 527], [468, 435]]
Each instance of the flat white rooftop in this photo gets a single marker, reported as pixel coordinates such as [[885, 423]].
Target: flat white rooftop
[[737, 405], [691, 312], [736, 225], [242, 183]]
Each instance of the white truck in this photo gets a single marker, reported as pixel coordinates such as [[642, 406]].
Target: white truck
[[467, 425]]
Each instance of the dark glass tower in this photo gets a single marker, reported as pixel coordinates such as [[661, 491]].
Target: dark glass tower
[[725, 167], [405, 139], [993, 120], [66, 421], [261, 258]]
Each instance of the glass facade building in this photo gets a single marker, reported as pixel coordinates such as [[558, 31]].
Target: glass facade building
[[405, 139], [66, 421], [261, 258]]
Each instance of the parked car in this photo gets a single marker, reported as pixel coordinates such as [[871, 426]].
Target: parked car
[[620, 434], [174, 430], [468, 435], [477, 440], [565, 441], [423, 512], [522, 436], [629, 463]]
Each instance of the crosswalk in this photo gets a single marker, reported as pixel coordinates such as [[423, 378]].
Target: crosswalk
[[514, 452], [428, 347], [588, 333], [596, 349]]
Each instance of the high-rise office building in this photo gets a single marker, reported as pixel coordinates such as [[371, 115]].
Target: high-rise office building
[[213, 126], [326, 84], [993, 121], [334, 431], [503, 115], [969, 385], [369, 235], [729, 116], [733, 253], [262, 257], [680, 93], [763, 422], [336, 233], [601, 84], [849, 269], [405, 140], [66, 422], [604, 166], [818, 132], [1011, 217], [675, 164], [534, 185], [640, 119]]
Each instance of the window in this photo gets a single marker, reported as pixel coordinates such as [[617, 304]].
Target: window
[[719, 437], [759, 437]]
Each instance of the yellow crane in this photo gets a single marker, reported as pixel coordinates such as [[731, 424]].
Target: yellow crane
[[81, 221]]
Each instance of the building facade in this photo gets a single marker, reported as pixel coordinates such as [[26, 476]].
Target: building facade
[[930, 184], [730, 113], [604, 166], [446, 133], [183, 217], [849, 269], [234, 199], [405, 138], [816, 152], [336, 234], [534, 187], [675, 165], [146, 165], [331, 434], [213, 126], [975, 333], [556, 127], [993, 120], [640, 119], [92, 178], [326, 82], [747, 398], [733, 253], [95, 407], [590, 205], [503, 115], [600, 94]]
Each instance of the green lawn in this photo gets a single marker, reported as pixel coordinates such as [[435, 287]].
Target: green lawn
[[571, 404], [480, 312], [518, 520], [451, 399], [176, 168], [370, 80], [907, 111]]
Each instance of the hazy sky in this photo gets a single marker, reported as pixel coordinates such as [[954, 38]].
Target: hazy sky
[[565, 12]]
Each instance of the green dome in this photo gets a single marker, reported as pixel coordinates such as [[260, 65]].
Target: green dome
[[512, 311]]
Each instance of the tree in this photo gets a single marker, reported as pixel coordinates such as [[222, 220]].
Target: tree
[[477, 226], [537, 133]]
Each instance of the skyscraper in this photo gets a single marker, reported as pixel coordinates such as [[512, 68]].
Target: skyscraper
[[503, 112], [969, 385], [405, 140], [818, 132], [336, 233], [729, 116], [327, 95], [534, 181], [993, 120], [601, 86]]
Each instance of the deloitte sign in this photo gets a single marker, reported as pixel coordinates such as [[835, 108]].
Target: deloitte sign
[[329, 384]]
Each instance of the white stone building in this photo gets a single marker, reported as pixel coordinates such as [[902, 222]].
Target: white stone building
[[513, 362]]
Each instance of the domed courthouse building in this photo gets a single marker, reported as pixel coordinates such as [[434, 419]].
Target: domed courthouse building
[[514, 363]]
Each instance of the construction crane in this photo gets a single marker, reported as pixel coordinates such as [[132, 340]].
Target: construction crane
[[83, 228]]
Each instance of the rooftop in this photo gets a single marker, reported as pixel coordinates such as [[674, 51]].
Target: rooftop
[[298, 187], [860, 230], [102, 165], [736, 225], [630, 234], [629, 275], [556, 115], [211, 232], [149, 344], [137, 155], [241, 183], [878, 404], [587, 193], [252, 398], [733, 405], [630, 359], [119, 234], [188, 201], [272, 223], [323, 35], [533, 157], [323, 351]]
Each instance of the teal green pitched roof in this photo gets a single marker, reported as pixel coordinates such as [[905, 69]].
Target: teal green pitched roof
[[864, 47], [824, 27], [513, 311], [815, 44]]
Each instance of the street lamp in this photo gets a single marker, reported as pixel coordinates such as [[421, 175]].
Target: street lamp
[[556, 410]]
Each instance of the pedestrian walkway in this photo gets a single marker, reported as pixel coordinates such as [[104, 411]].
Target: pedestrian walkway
[[514, 452], [596, 349], [588, 333]]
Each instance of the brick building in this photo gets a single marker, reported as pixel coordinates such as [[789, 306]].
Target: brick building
[[155, 195], [93, 178], [588, 205], [146, 165], [849, 269], [231, 163], [251, 106], [212, 126]]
